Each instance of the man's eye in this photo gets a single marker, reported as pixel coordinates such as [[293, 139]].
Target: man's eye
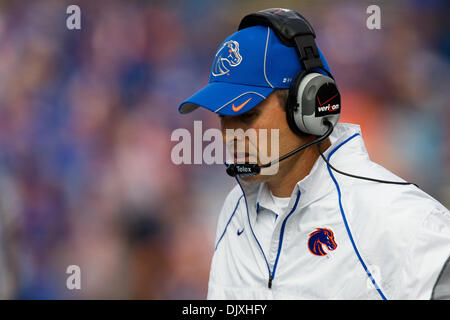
[[245, 117], [248, 115]]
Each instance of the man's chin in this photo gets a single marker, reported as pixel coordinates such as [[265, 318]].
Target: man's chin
[[255, 178]]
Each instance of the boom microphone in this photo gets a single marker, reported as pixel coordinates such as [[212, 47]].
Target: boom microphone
[[243, 170], [252, 169]]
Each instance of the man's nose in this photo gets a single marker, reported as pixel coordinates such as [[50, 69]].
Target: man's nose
[[230, 123]]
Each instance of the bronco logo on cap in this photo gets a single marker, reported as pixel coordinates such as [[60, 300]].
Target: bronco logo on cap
[[228, 53]]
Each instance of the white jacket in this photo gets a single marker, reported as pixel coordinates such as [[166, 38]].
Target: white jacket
[[384, 241]]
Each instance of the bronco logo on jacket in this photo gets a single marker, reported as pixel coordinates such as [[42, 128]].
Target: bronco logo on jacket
[[319, 238]]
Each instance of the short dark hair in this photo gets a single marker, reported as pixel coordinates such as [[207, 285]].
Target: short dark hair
[[282, 95]]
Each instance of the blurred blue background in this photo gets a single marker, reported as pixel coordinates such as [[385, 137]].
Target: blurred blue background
[[86, 117]]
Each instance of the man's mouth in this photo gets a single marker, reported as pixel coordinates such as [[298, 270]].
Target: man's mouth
[[241, 157]]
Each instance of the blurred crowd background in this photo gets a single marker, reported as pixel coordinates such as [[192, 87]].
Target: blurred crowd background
[[86, 118]]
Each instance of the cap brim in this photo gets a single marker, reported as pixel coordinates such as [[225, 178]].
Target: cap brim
[[226, 98]]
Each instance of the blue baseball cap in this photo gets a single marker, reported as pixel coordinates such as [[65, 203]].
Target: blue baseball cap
[[248, 66]]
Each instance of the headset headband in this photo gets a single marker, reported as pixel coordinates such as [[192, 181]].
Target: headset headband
[[292, 29]]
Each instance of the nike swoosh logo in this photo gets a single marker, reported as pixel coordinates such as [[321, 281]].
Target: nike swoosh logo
[[240, 232], [239, 107], [321, 104]]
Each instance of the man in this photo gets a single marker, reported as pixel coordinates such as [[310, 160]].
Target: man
[[309, 230]]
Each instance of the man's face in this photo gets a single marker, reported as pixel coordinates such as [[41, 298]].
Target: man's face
[[268, 116]]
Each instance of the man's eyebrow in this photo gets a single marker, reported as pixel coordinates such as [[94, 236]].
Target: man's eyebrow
[[249, 112]]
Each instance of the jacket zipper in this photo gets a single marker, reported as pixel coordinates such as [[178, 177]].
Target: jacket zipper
[[272, 274]]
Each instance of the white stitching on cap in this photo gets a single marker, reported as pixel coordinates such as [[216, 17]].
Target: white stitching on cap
[[239, 97], [265, 54]]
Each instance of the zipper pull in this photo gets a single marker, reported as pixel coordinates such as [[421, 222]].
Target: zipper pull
[[270, 281]]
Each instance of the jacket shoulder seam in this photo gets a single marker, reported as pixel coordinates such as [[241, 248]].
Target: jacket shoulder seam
[[229, 220]]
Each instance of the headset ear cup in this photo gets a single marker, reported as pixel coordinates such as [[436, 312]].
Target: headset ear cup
[[319, 100], [292, 105]]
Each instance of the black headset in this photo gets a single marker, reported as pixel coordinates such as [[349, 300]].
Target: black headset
[[313, 97], [314, 102]]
